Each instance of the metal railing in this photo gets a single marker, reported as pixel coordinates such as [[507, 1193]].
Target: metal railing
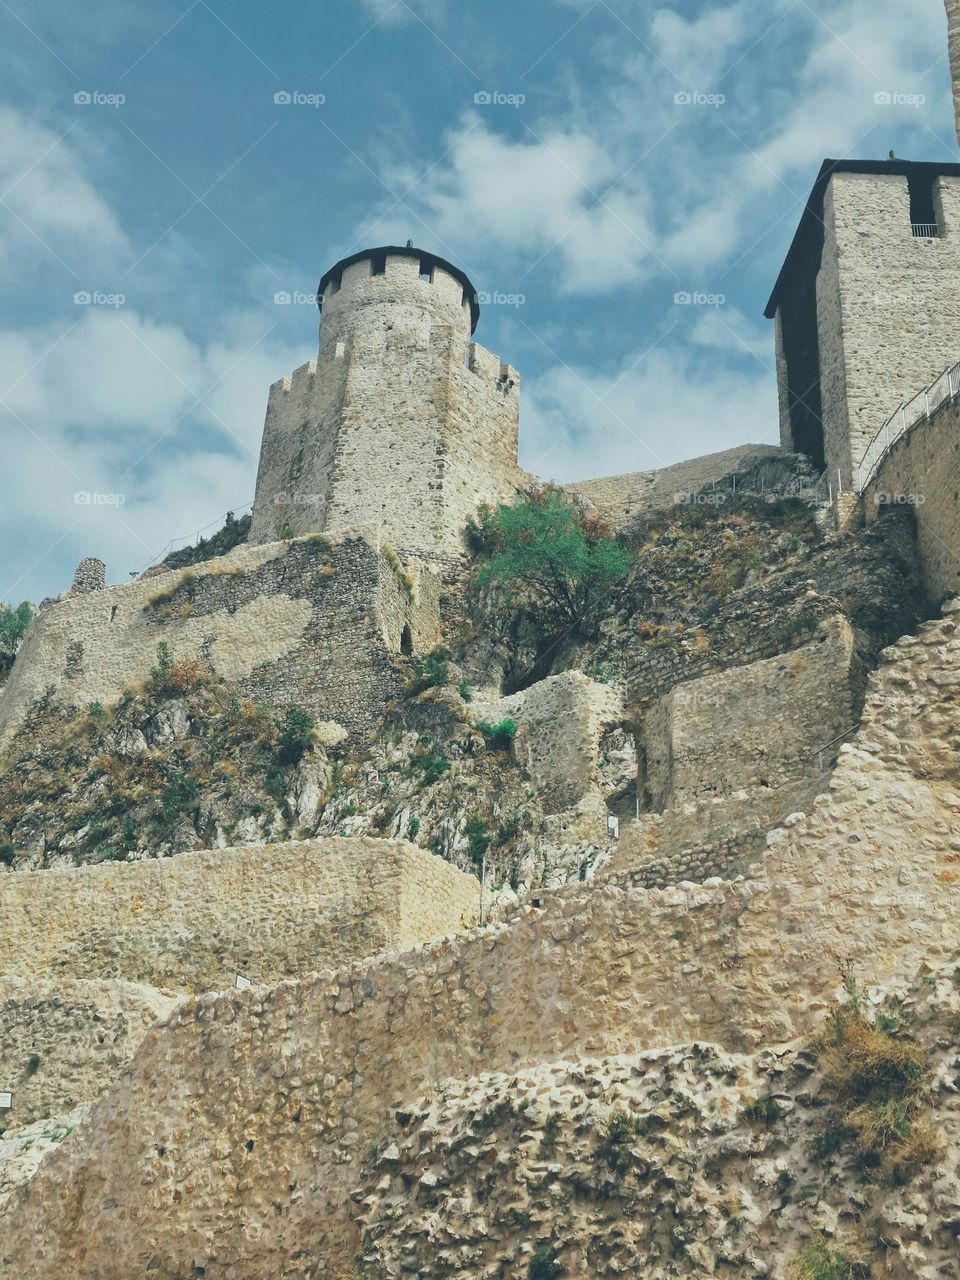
[[925, 230], [917, 409]]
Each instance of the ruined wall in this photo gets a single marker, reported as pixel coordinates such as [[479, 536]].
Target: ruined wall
[[311, 622], [922, 472], [758, 725], [620, 499], [195, 921], [560, 722], [234, 1140], [63, 1041], [401, 426], [888, 306]]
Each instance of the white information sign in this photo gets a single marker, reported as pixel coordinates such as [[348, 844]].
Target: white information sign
[[242, 983], [6, 1100], [613, 826]]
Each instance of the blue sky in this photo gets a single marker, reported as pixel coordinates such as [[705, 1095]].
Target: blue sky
[[620, 152]]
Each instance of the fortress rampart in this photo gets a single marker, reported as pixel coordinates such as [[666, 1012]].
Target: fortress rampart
[[195, 921], [314, 623], [263, 1103], [922, 471]]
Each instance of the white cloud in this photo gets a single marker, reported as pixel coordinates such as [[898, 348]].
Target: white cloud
[[664, 405], [111, 408], [48, 193], [533, 196]]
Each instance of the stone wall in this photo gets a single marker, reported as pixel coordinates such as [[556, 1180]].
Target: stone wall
[[63, 1042], [195, 921], [560, 723], [620, 499], [401, 426], [234, 1140], [313, 622], [888, 306], [759, 725], [922, 472], [715, 837]]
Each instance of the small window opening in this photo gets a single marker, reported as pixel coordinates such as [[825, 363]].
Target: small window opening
[[923, 208], [406, 642], [335, 284], [466, 299], [113, 611], [378, 264], [426, 272]]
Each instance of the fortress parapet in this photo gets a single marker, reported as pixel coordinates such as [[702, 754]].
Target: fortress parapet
[[402, 424]]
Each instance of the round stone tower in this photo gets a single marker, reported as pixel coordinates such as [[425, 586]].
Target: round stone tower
[[402, 426], [360, 296]]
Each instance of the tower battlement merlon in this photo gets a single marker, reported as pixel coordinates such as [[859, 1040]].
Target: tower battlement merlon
[[492, 369], [294, 382]]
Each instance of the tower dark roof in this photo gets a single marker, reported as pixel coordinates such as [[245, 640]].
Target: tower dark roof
[[428, 261], [808, 240]]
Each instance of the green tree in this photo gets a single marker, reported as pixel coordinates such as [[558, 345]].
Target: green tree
[[550, 558], [13, 627]]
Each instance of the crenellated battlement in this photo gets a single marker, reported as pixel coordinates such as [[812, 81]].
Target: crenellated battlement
[[401, 424]]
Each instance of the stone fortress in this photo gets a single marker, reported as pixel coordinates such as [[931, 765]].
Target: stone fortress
[[788, 813]]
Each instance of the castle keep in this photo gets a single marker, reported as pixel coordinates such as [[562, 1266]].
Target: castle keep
[[403, 425]]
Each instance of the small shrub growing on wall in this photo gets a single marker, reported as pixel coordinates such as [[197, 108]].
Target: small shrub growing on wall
[[432, 671], [296, 737], [500, 735], [544, 1266], [818, 1261], [479, 838], [877, 1078]]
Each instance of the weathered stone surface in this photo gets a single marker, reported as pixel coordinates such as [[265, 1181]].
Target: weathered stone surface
[[63, 1041], [195, 921], [313, 623], [654, 1165], [264, 1102]]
